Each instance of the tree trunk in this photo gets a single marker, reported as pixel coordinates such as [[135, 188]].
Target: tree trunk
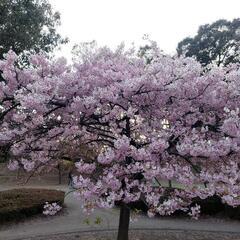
[[125, 210], [169, 183], [123, 222], [59, 174]]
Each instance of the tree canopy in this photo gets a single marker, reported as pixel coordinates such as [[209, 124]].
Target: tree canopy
[[28, 25], [217, 43], [167, 119]]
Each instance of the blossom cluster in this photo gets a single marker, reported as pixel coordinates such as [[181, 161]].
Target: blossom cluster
[[195, 212], [51, 208]]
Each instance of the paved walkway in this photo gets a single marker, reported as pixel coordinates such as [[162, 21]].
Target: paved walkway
[[73, 220]]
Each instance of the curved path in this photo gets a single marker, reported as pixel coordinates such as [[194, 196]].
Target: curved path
[[72, 220]]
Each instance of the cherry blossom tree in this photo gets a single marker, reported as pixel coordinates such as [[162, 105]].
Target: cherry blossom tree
[[169, 119]]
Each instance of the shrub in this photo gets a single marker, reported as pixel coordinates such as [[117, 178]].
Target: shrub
[[16, 204], [211, 206]]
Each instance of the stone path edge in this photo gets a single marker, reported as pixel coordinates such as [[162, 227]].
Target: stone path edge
[[131, 229]]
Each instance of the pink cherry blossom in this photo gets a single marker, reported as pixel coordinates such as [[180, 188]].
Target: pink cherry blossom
[[169, 119], [51, 208], [195, 212]]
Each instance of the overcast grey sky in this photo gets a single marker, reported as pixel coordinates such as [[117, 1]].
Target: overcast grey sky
[[110, 22]]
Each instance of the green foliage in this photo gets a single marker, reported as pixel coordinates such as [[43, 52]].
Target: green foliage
[[145, 53], [17, 204], [87, 221], [217, 43], [28, 25], [98, 221]]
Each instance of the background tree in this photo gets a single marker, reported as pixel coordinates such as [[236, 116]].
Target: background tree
[[145, 53], [28, 25], [217, 43], [149, 50]]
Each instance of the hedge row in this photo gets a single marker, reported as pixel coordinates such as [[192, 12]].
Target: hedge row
[[16, 204], [211, 206]]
